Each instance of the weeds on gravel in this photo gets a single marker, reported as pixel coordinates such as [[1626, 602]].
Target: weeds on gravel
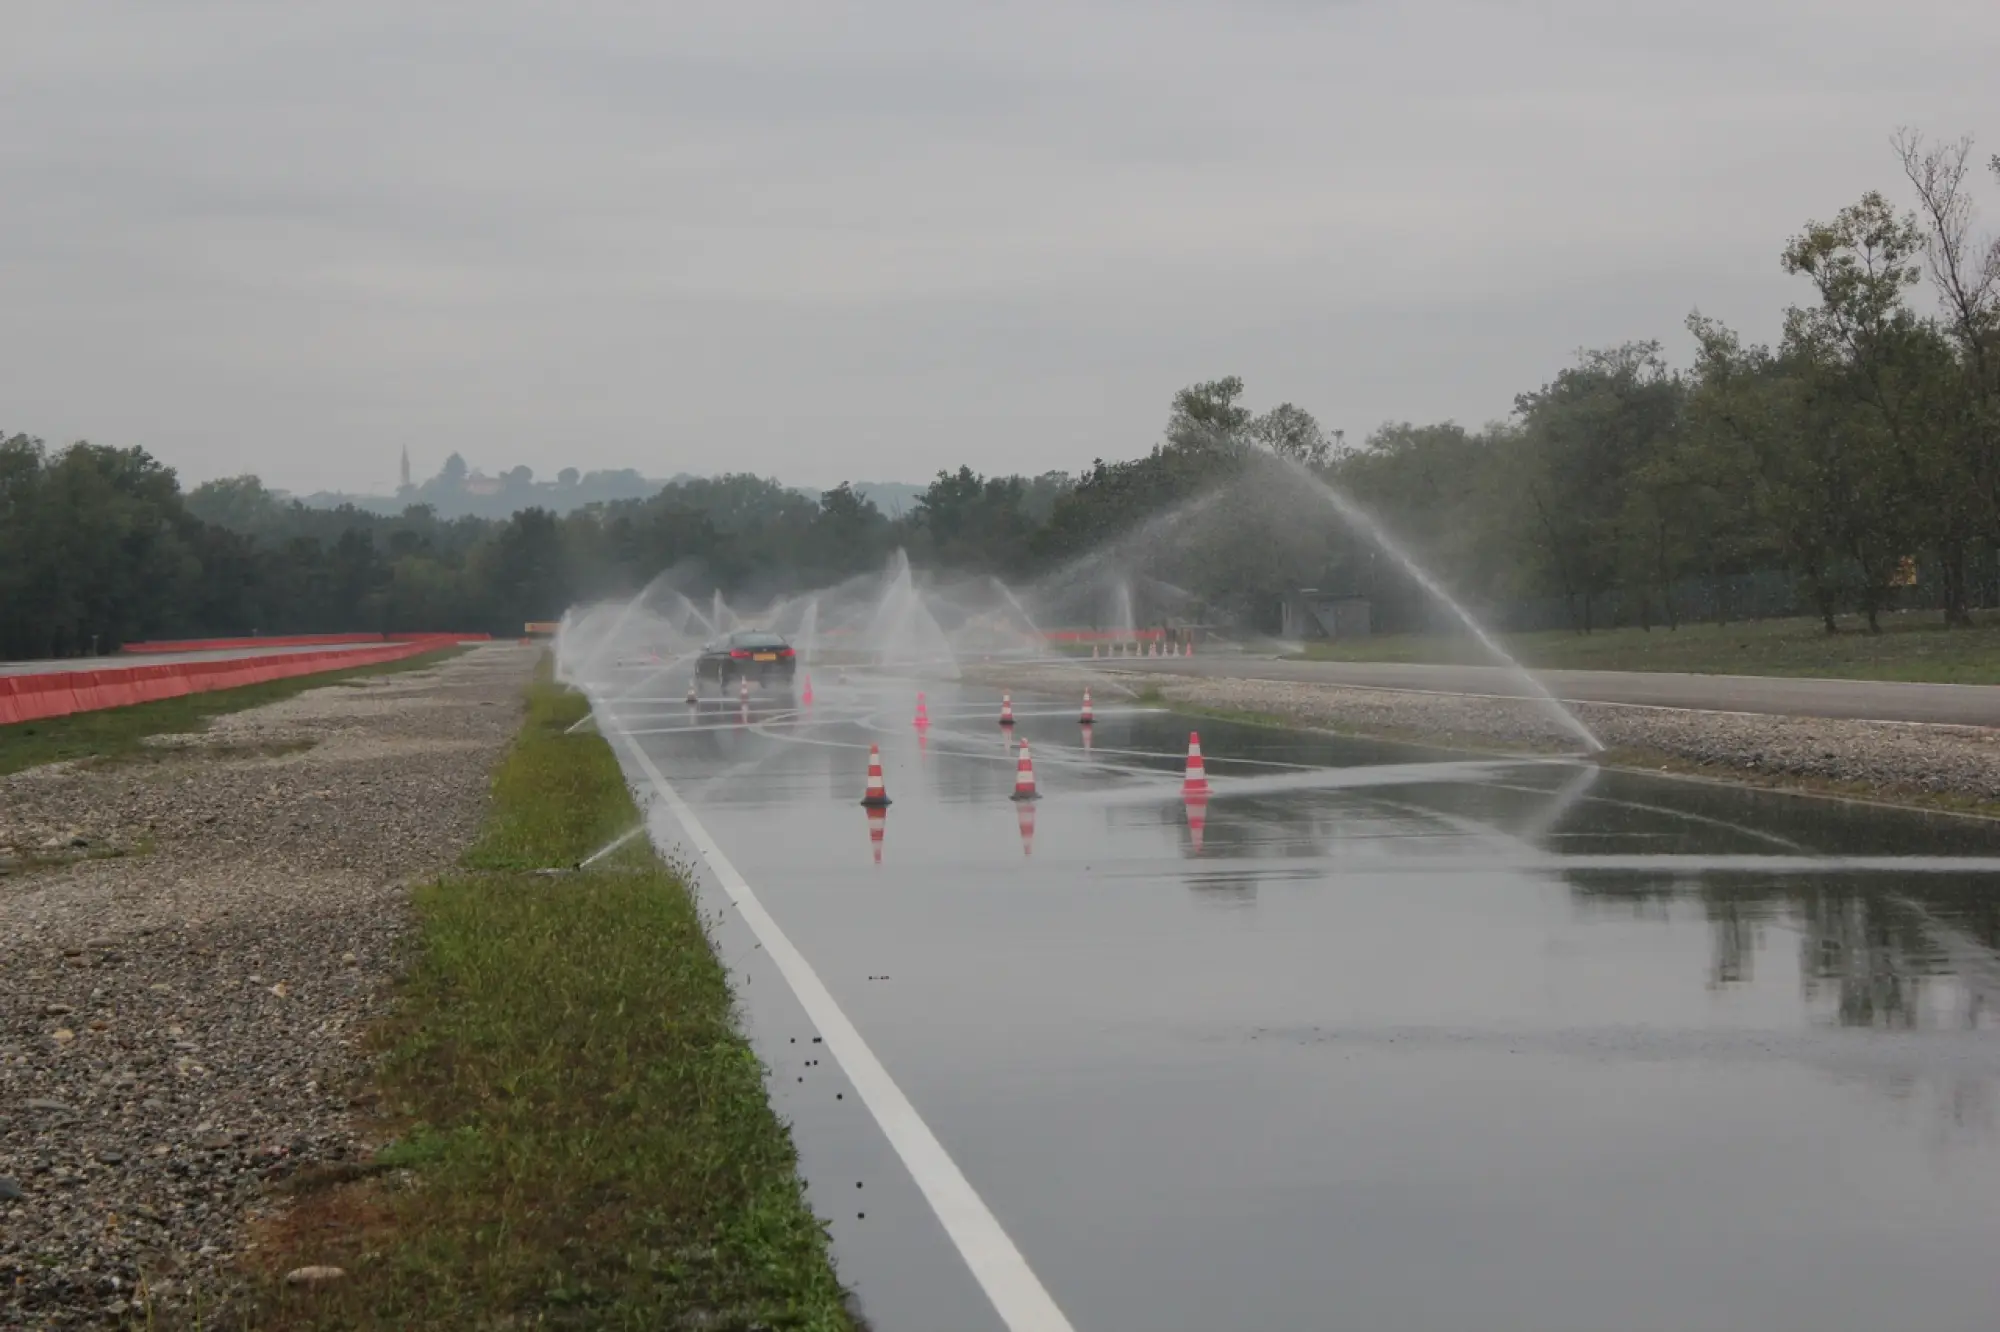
[[120, 733], [558, 797], [583, 1137]]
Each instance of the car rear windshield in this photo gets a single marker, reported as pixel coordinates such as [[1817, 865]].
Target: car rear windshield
[[756, 641]]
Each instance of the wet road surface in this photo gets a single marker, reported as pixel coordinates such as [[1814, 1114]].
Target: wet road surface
[[123, 660], [1374, 1039], [1867, 700]]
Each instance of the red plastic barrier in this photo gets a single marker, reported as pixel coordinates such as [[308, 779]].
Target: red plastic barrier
[[60, 693], [232, 644], [1104, 635]]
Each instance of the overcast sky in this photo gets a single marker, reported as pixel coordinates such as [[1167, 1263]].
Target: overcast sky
[[825, 241]]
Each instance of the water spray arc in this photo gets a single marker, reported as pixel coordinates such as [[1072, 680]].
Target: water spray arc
[[1364, 522]]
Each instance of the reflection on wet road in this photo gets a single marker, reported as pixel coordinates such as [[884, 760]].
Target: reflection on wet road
[[1370, 1038]]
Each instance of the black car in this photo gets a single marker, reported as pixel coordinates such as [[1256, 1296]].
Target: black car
[[765, 660]]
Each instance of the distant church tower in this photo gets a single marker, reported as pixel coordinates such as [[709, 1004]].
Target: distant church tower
[[406, 467]]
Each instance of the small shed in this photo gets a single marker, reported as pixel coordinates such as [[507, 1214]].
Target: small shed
[[1311, 613]]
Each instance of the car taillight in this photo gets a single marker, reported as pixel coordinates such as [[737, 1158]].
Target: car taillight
[[784, 652], [739, 654]]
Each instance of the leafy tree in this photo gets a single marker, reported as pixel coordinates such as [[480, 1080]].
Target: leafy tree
[[1291, 432], [1584, 436]]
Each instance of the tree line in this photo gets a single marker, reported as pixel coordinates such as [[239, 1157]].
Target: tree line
[[1852, 466]]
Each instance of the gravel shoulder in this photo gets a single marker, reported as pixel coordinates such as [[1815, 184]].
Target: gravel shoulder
[[190, 947], [1936, 766]]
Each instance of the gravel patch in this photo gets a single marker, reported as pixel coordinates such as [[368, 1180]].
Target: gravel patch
[[178, 1025], [1889, 759]]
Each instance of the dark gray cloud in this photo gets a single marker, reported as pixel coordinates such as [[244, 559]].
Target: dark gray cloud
[[869, 240]]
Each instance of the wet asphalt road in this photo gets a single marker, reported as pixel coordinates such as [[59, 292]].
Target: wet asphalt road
[[123, 660], [1389, 1041], [1868, 700]]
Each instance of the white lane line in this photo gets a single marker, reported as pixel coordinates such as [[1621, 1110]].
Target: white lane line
[[1018, 1295]]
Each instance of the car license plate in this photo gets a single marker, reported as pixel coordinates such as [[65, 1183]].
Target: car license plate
[[765, 656]]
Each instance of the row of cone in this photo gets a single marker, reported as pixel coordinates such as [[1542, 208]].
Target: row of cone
[[1197, 822], [878, 825], [923, 717], [1152, 649], [1194, 785]]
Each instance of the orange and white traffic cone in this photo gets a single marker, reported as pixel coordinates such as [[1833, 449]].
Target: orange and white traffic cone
[[1197, 817], [743, 691], [1024, 776], [1006, 709], [1196, 783], [878, 820], [1087, 719], [1187, 648], [694, 691], [1027, 817], [878, 793], [923, 714], [806, 694]]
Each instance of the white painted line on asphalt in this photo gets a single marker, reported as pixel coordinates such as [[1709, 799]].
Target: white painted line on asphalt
[[1018, 1295]]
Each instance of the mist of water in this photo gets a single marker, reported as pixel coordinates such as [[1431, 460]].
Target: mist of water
[[1364, 522], [1122, 620], [610, 846], [904, 619]]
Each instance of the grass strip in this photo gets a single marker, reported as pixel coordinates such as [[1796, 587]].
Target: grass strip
[[1912, 647], [583, 1138], [112, 733]]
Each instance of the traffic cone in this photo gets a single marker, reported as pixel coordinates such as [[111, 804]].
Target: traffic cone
[[878, 820], [1196, 783], [806, 694], [1026, 810], [1197, 817], [1187, 648], [1087, 719], [743, 691], [878, 793], [923, 714], [1093, 652], [694, 691], [1024, 777], [1006, 709]]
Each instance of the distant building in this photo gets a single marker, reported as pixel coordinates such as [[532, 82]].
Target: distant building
[[1311, 613]]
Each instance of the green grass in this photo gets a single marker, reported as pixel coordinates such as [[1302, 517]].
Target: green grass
[[582, 1136], [1910, 647], [120, 733], [559, 796]]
